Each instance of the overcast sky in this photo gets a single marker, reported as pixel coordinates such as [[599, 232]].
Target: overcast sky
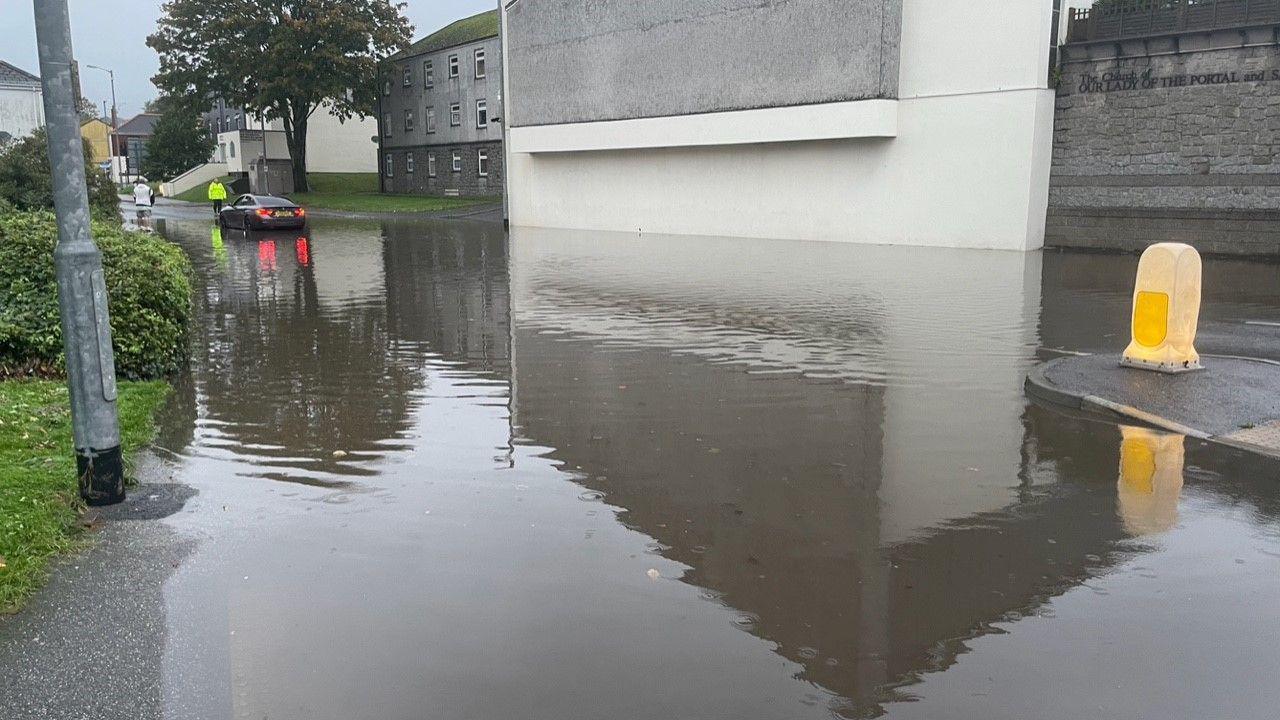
[[113, 33]]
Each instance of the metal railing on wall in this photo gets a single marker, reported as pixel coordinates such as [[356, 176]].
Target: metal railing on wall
[[1118, 19]]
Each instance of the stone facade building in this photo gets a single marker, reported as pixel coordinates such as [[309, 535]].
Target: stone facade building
[[1168, 128], [440, 113]]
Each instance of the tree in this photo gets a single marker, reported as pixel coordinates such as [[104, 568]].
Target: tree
[[178, 143], [280, 58], [26, 182], [86, 109]]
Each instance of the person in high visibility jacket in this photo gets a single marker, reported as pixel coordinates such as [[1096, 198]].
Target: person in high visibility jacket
[[217, 194]]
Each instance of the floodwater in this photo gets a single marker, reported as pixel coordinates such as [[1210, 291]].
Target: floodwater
[[446, 475]]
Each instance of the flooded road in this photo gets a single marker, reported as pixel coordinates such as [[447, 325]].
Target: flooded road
[[575, 475]]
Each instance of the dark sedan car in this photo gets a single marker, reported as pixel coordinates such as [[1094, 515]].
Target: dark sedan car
[[262, 212]]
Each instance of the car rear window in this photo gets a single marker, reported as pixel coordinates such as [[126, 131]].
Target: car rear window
[[274, 202]]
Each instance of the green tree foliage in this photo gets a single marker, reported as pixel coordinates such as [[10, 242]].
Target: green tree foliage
[[86, 109], [281, 58], [178, 143], [26, 182], [148, 282]]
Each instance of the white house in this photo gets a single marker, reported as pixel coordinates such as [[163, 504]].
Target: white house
[[921, 122], [21, 103]]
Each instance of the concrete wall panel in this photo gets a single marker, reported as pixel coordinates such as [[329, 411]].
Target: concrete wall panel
[[591, 60]]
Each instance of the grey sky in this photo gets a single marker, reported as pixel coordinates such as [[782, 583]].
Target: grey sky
[[113, 33]]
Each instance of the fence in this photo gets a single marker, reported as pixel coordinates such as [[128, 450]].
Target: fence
[[1118, 19]]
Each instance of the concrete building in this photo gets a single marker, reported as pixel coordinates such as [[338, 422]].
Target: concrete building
[[21, 103], [440, 113], [333, 145], [924, 122]]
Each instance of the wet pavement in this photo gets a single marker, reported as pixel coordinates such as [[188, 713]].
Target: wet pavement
[[574, 475]]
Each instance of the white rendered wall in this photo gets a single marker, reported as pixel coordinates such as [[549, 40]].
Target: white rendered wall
[[21, 111], [338, 147], [969, 166]]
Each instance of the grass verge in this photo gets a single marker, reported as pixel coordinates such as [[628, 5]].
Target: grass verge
[[379, 203], [355, 192], [39, 500], [200, 193]]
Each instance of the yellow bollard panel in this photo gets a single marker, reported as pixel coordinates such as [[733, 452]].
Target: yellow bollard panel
[[1150, 480], [1166, 310]]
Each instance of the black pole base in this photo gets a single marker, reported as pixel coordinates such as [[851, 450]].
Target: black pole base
[[101, 476]]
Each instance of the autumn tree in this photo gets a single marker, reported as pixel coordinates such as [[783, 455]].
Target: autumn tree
[[280, 58]]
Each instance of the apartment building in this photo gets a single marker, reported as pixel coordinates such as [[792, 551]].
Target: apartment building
[[440, 113]]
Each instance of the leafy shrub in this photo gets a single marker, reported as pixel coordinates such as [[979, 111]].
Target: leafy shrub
[[148, 282], [26, 183]]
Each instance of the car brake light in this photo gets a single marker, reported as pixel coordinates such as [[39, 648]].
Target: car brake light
[[262, 212], [299, 212]]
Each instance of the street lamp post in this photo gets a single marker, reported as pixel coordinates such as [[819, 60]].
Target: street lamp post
[[82, 290], [111, 137], [112, 73]]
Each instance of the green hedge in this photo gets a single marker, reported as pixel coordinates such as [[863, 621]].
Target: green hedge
[[26, 182], [148, 281]]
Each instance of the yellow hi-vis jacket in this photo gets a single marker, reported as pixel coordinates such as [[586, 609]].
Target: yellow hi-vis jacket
[[217, 191]]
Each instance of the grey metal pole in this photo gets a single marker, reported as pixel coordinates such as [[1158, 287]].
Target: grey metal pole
[[82, 290]]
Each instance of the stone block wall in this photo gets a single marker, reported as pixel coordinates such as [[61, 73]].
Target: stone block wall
[[1156, 138]]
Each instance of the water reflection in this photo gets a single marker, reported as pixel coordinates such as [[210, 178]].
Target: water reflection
[[830, 444], [1150, 482]]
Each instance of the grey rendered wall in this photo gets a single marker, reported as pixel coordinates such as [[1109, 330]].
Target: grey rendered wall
[[592, 60]]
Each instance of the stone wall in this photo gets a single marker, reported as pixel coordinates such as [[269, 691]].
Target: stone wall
[[466, 182], [1169, 139]]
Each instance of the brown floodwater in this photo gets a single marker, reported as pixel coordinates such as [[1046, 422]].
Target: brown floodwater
[[443, 473]]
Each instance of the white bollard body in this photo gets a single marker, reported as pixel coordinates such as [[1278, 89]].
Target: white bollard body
[[1166, 310]]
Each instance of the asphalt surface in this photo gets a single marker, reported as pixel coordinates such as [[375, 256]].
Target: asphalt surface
[[63, 654], [1228, 395]]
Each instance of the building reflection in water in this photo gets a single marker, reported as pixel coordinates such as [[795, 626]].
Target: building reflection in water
[[320, 351], [836, 447], [832, 440]]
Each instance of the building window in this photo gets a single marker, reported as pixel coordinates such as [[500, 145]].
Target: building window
[[431, 164], [455, 115], [408, 76], [482, 113], [238, 125], [408, 121], [479, 63], [408, 164], [387, 161], [457, 161], [482, 162], [386, 89], [453, 66], [233, 149], [386, 125], [428, 74], [431, 120]]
